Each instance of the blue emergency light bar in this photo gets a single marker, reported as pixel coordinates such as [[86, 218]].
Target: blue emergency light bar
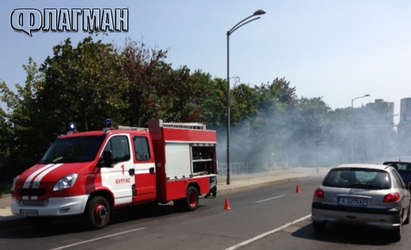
[[72, 126], [109, 124]]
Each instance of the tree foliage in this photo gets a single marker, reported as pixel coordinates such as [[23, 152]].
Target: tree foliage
[[92, 81]]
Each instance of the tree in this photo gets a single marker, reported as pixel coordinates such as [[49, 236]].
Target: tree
[[244, 104], [6, 136], [85, 84], [141, 65], [279, 91], [20, 131], [93, 81], [157, 91]]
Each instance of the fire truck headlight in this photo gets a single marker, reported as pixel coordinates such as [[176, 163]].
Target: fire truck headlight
[[66, 182], [13, 186]]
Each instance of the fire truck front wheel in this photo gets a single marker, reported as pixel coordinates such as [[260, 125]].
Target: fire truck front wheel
[[98, 212], [190, 202]]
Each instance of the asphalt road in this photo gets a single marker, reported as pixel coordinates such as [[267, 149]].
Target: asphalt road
[[301, 236], [253, 213]]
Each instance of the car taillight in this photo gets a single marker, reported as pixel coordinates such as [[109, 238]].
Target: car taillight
[[319, 193], [392, 198]]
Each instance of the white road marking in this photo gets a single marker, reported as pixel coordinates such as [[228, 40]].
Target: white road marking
[[260, 236], [98, 238], [271, 198]]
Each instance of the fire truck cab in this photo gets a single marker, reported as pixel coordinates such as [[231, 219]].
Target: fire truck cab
[[92, 173]]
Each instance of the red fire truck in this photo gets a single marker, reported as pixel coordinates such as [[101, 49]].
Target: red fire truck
[[92, 173]]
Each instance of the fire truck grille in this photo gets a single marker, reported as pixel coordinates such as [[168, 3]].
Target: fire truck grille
[[32, 191], [36, 203]]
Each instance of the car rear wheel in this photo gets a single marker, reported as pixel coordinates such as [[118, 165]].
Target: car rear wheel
[[318, 226], [396, 234], [407, 220]]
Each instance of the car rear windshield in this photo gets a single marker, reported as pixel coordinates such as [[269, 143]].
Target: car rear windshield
[[74, 149], [358, 178], [400, 166]]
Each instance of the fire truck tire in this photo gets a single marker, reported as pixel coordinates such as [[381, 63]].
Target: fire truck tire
[[189, 203], [98, 212]]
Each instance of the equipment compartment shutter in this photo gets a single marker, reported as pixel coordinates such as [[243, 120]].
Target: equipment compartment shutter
[[178, 160]]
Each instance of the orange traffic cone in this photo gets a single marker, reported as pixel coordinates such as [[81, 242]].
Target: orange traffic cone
[[227, 205], [297, 189]]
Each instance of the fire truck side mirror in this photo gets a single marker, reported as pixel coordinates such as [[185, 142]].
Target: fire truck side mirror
[[106, 159]]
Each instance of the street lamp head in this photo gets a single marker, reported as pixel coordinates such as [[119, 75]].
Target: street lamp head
[[259, 12]]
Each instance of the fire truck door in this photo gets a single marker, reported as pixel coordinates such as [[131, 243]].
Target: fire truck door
[[144, 166], [120, 177]]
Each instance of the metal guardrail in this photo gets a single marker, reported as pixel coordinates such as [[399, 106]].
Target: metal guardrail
[[235, 168]]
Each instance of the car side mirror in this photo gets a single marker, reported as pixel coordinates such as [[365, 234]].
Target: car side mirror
[[106, 159]]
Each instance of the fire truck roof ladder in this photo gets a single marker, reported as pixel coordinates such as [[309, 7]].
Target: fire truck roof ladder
[[132, 128], [185, 125]]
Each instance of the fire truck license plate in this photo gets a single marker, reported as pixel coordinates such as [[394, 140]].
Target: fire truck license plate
[[29, 212]]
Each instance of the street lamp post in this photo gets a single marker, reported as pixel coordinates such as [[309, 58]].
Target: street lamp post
[[352, 136], [256, 15], [358, 97]]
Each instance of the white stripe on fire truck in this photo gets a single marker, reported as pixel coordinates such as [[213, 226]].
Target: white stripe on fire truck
[[36, 182], [31, 177], [143, 168], [141, 171]]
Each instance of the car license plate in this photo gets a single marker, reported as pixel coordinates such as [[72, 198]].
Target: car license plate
[[352, 202], [29, 212]]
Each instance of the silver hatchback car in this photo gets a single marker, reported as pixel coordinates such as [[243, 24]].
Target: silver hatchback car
[[366, 194]]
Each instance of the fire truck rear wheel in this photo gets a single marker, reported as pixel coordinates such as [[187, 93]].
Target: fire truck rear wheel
[[190, 202], [98, 212]]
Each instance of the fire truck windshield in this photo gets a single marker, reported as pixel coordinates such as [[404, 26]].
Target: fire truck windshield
[[74, 149]]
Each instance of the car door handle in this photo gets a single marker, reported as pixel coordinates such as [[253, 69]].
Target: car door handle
[[131, 172], [151, 170]]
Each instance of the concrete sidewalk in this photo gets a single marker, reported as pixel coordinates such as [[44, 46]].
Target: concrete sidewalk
[[237, 183], [5, 212]]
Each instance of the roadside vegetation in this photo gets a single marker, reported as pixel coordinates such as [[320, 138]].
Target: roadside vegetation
[[91, 81]]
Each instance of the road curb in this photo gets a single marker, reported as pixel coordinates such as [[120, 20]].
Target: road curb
[[228, 190], [10, 218]]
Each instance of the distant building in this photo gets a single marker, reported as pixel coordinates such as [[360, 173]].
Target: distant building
[[405, 112], [404, 127], [374, 137], [383, 111]]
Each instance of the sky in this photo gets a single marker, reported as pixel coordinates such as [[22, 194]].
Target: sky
[[332, 49]]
